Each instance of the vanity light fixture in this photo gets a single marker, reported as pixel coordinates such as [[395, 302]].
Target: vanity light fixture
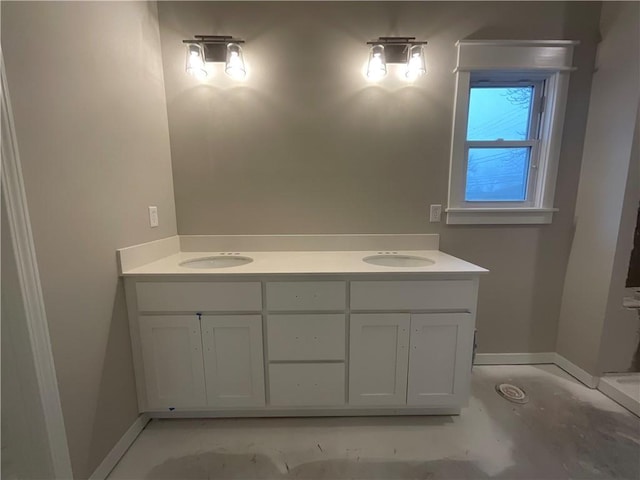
[[215, 48], [398, 50]]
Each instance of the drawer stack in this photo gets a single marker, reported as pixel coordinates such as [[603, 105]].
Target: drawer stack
[[306, 343]]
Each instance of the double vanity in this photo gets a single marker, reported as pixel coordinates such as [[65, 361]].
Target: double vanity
[[300, 325]]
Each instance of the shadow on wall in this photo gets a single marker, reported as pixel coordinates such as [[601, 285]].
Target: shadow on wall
[[117, 378]]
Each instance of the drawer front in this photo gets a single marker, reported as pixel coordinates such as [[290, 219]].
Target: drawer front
[[282, 296], [199, 296], [306, 337], [307, 384], [416, 295]]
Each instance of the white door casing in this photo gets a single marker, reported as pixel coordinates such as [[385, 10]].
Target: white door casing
[[14, 194]]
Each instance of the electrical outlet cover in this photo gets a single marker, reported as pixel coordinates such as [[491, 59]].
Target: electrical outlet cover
[[435, 212], [153, 216]]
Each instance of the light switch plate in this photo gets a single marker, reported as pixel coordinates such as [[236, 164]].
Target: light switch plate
[[153, 216], [435, 212]]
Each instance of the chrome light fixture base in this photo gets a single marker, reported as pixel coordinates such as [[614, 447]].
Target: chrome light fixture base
[[396, 50], [217, 49]]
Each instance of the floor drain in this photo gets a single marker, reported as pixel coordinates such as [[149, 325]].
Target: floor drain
[[512, 393]]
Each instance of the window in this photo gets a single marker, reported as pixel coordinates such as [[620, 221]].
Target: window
[[501, 143], [507, 129]]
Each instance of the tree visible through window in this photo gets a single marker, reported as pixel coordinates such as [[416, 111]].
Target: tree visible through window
[[501, 134]]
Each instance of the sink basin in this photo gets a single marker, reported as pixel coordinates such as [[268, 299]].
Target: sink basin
[[398, 260], [216, 261]]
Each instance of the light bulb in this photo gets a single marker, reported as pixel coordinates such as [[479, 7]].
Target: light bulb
[[377, 67], [195, 61], [416, 66], [235, 67]]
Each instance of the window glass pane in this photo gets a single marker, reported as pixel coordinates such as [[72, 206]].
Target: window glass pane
[[497, 174], [499, 113]]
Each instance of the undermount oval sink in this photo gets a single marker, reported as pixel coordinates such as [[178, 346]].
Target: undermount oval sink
[[216, 261], [398, 260]]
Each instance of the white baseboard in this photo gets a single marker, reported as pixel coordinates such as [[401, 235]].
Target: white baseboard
[[575, 371], [515, 358], [309, 412], [608, 387], [538, 358], [120, 448]]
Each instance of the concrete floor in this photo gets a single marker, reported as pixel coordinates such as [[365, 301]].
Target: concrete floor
[[565, 431]]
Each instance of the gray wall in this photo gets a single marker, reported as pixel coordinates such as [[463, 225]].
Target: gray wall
[[621, 330], [88, 97], [306, 145], [611, 124]]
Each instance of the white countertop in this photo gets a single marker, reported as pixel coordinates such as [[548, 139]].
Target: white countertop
[[309, 262]]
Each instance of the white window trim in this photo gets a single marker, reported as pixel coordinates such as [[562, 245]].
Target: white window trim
[[551, 60]]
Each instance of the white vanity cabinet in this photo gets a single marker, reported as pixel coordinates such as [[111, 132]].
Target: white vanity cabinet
[[196, 345], [412, 359], [202, 360], [418, 358], [302, 345]]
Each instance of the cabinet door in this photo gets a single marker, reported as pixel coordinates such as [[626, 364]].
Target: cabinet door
[[172, 357], [440, 359], [378, 359], [233, 360]]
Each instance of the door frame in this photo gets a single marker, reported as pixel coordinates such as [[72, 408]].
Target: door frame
[[14, 194]]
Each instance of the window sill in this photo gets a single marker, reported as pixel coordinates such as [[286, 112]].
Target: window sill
[[499, 216]]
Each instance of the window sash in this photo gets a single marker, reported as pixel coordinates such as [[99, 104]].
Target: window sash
[[532, 174], [535, 113], [533, 142]]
